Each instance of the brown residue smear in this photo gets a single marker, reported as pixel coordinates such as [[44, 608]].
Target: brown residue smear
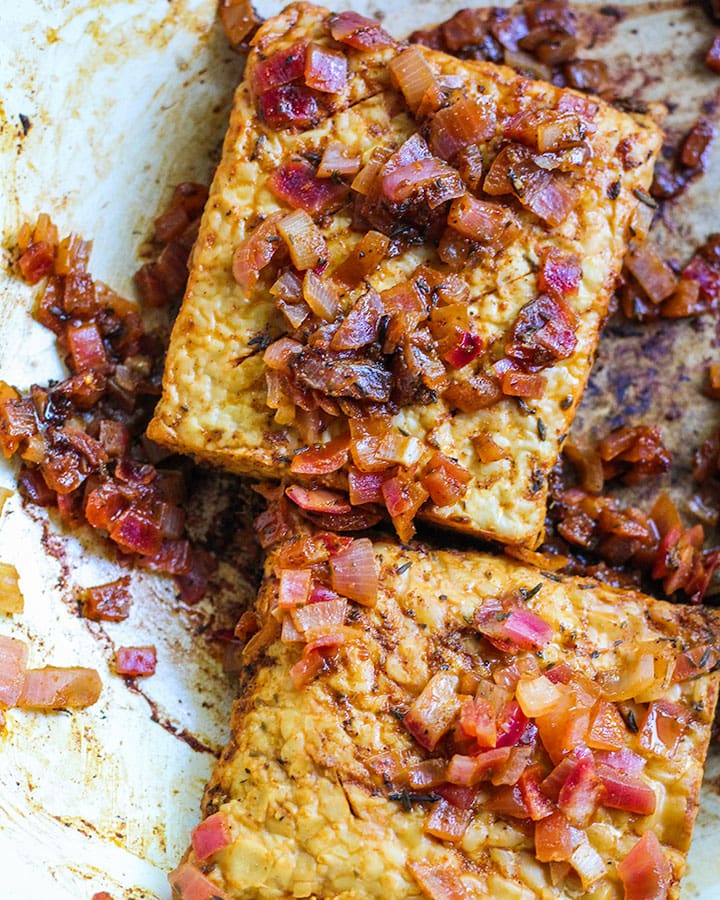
[[182, 734]]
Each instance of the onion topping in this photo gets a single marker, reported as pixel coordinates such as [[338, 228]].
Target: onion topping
[[55, 688], [354, 572], [325, 69]]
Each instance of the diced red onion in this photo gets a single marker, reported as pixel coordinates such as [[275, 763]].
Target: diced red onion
[[318, 500], [279, 69], [354, 572], [304, 240], [338, 159], [296, 183], [188, 882], [325, 69], [135, 661], [434, 711], [211, 835], [359, 32], [294, 587], [13, 663], [321, 296], [56, 688], [412, 72]]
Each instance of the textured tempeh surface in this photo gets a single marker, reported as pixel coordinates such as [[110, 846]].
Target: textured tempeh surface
[[213, 404], [300, 781]]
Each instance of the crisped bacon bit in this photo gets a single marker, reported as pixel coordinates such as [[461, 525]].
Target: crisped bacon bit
[[238, 20], [696, 144], [479, 391], [445, 480], [306, 668], [86, 347], [438, 882], [107, 602], [581, 793], [256, 251], [645, 872], [135, 661], [325, 69], [292, 105], [359, 32], [437, 182], [555, 838], [296, 183], [466, 122], [37, 262], [521, 384], [477, 720], [403, 498], [434, 711]]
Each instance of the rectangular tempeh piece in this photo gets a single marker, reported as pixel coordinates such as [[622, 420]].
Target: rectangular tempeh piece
[[323, 790], [476, 348]]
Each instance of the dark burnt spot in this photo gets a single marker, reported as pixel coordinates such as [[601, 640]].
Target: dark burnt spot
[[25, 123]]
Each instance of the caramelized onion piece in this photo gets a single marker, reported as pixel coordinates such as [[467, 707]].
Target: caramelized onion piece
[[325, 69], [55, 688], [304, 240], [656, 277], [358, 31], [11, 598], [238, 19], [338, 159], [354, 572], [256, 251], [13, 663], [412, 73]]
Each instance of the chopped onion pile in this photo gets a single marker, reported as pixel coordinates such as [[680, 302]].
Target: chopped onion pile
[[317, 577], [657, 542], [81, 440], [650, 289], [540, 38], [546, 745]]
